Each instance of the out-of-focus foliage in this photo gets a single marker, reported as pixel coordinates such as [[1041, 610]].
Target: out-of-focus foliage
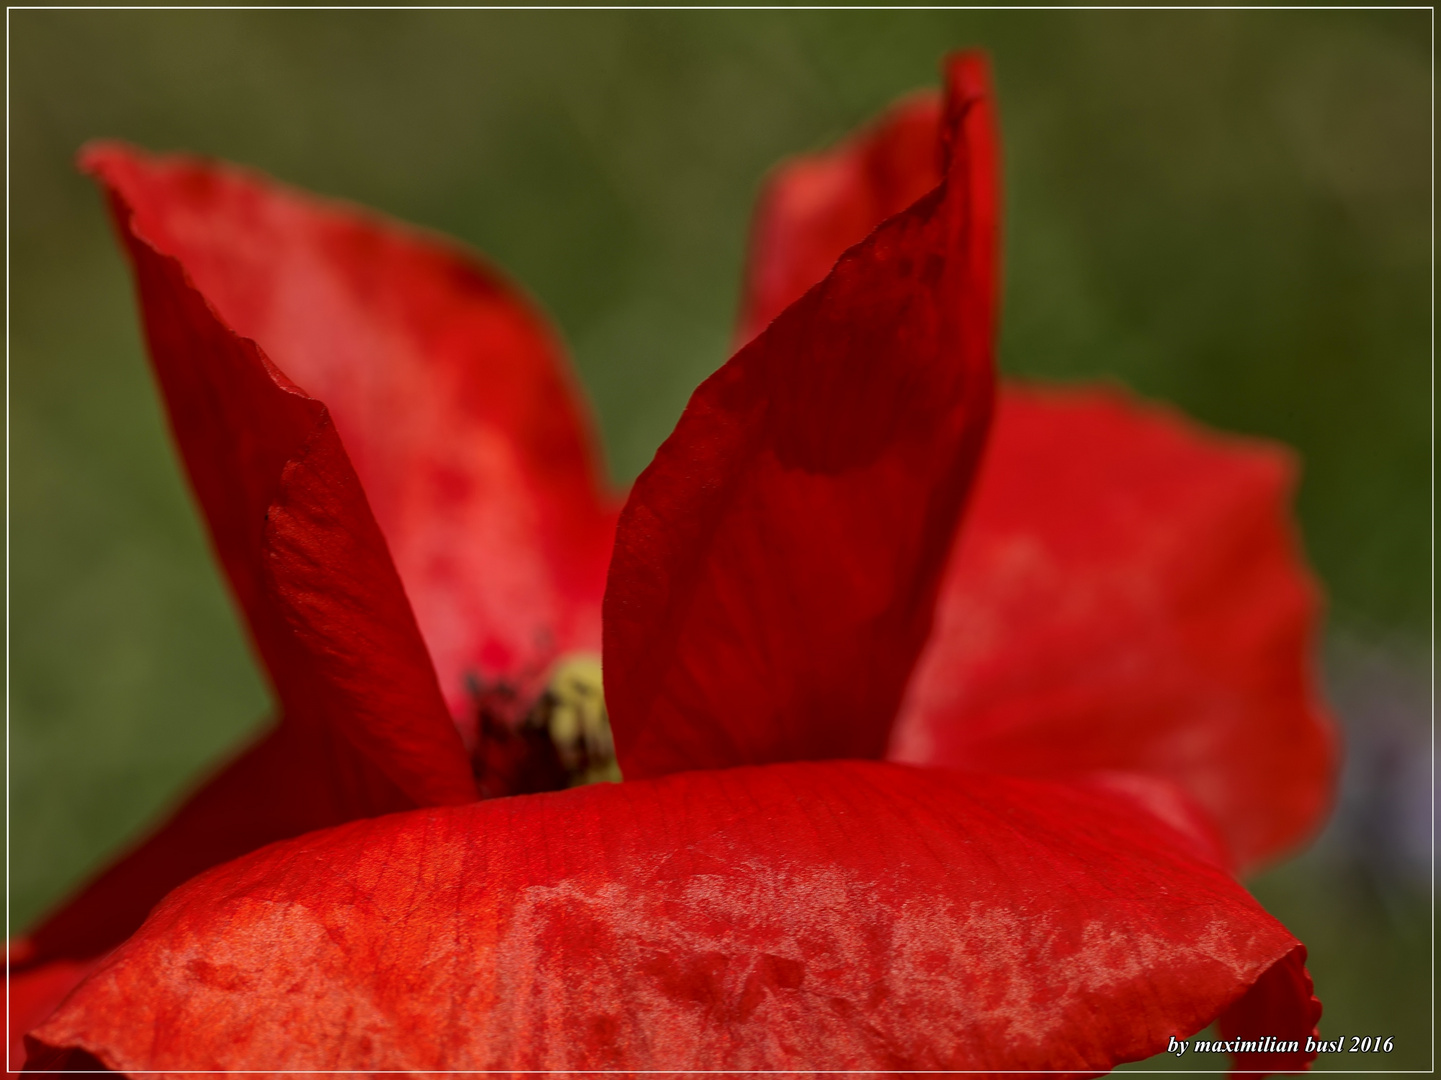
[[1228, 210]]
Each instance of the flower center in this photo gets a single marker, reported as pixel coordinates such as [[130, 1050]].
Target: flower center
[[561, 739]]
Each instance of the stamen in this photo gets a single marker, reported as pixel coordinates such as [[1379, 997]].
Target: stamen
[[562, 739], [572, 711]]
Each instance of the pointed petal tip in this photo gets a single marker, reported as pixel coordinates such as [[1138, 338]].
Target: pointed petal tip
[[968, 74], [96, 156]]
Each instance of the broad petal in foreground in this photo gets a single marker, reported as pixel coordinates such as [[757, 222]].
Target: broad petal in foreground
[[847, 915], [777, 564]]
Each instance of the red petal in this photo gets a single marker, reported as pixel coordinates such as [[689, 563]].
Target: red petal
[[1281, 1000], [776, 565], [297, 778], [34, 995], [452, 399], [289, 519], [1132, 624], [365, 730], [1128, 594], [850, 915], [815, 206]]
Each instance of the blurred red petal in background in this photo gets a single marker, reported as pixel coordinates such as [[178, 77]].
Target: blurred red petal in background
[[1128, 595]]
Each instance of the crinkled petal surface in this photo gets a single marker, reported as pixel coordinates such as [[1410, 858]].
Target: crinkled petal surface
[[841, 915], [1128, 594], [776, 566]]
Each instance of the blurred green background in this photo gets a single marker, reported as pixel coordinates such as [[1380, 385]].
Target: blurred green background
[[1229, 210]]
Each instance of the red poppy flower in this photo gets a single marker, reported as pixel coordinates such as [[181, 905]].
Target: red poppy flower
[[1097, 698]]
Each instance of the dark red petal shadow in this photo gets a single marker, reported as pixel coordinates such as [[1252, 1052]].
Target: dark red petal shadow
[[1129, 594], [776, 566], [452, 398], [843, 915]]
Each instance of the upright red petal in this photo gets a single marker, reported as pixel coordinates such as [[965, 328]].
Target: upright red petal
[[288, 517], [364, 727], [452, 399], [777, 564], [1242, 731], [438, 373], [1129, 595], [835, 916]]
